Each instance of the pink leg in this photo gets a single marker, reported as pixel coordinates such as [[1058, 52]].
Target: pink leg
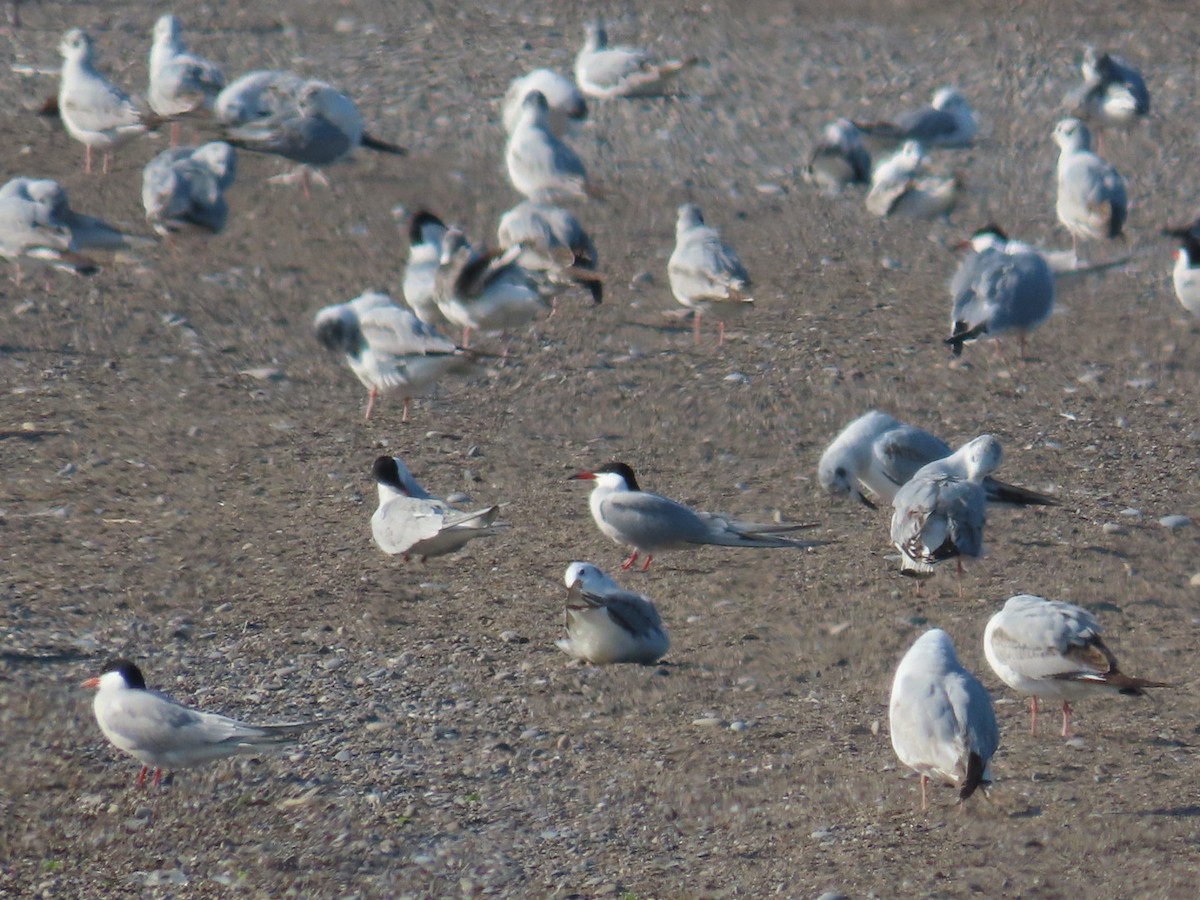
[[1066, 709], [87, 159], [466, 342], [696, 328], [175, 129], [628, 564], [142, 776], [924, 799], [304, 182], [646, 564], [720, 333], [157, 776], [404, 419], [107, 162], [371, 395], [1033, 711], [959, 565]]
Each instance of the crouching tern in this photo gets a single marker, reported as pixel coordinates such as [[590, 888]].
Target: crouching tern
[[412, 522], [649, 523], [164, 734], [608, 625]]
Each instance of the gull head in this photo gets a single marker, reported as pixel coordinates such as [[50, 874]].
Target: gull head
[[844, 133], [594, 36], [835, 478], [689, 217], [76, 45], [949, 99], [219, 157], [167, 29], [535, 108], [983, 456], [1072, 136], [452, 241], [589, 577]]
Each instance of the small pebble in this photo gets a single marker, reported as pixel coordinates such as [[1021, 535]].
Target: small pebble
[[1131, 512], [707, 721], [738, 725], [1112, 528], [1174, 522], [511, 637]]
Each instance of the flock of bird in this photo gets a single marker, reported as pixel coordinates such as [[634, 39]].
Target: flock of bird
[[941, 718]]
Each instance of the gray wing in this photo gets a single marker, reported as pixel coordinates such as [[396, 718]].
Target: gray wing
[[540, 152], [703, 266], [187, 80], [927, 125], [654, 520], [311, 140], [157, 724], [96, 104], [903, 450], [973, 710], [1094, 190], [1036, 638], [610, 67], [404, 521]]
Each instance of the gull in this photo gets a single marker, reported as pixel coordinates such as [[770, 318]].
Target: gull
[[94, 111], [608, 625], [649, 523], [1113, 93], [567, 106], [484, 290], [425, 234], [410, 521], [706, 274], [183, 189], [1091, 200], [908, 161], [389, 348], [941, 718], [839, 158], [1052, 650], [1000, 286], [940, 512], [877, 454], [28, 232], [947, 122], [163, 734], [1186, 274], [603, 71], [180, 83], [553, 241], [901, 187], [88, 232], [540, 166]]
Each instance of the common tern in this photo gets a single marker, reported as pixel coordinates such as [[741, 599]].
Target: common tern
[[877, 454], [163, 734], [567, 106], [1186, 274], [941, 718], [553, 241], [1091, 201], [947, 122], [1000, 286], [1053, 651], [425, 233], [541, 166], [940, 512], [94, 111], [649, 523], [183, 189], [410, 521], [838, 158], [1113, 93], [605, 72], [181, 83], [389, 348], [608, 625], [706, 274]]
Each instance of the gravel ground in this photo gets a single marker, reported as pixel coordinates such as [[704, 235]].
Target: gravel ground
[[186, 481]]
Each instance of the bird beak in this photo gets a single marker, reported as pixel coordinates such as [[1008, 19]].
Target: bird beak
[[92, 683], [583, 476], [866, 502]]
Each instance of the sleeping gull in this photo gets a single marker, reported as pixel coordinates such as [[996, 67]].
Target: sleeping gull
[[603, 71], [88, 233], [389, 348], [540, 165], [94, 111], [706, 274], [553, 241], [947, 122], [877, 455], [28, 233], [183, 189], [180, 83], [1052, 650], [410, 521], [900, 186], [1113, 93], [1091, 200], [567, 106], [608, 625], [838, 158], [941, 718]]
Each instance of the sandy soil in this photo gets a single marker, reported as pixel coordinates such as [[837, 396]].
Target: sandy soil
[[161, 503]]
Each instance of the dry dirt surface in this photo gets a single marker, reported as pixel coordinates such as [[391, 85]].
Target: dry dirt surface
[[186, 482]]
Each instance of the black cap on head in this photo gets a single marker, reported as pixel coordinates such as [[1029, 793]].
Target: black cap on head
[[419, 221], [387, 472], [624, 471], [130, 672]]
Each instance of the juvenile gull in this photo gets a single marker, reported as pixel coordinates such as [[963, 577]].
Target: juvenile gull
[[183, 189], [1053, 651], [553, 241], [540, 165], [1091, 201], [941, 718], [706, 274], [410, 521], [603, 71], [567, 106], [94, 111], [649, 523], [389, 348], [163, 734], [608, 625], [877, 455], [180, 83]]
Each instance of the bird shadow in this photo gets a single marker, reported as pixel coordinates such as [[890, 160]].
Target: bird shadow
[[1174, 812]]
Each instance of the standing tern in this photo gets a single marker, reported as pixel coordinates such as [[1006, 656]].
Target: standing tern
[[608, 625], [940, 513], [181, 83], [410, 521], [163, 734], [1000, 286], [649, 523], [941, 718], [947, 122], [605, 72], [877, 455], [425, 234], [706, 274], [541, 166], [1091, 200], [553, 241], [183, 189], [838, 158], [389, 348], [1113, 93], [1052, 650], [94, 111], [567, 106], [1186, 274]]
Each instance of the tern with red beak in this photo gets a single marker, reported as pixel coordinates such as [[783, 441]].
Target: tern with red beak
[[649, 523], [163, 734]]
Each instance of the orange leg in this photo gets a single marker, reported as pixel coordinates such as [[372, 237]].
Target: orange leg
[[924, 799], [720, 333], [646, 564], [628, 564], [142, 776], [404, 419], [1066, 711], [696, 328], [1033, 711]]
